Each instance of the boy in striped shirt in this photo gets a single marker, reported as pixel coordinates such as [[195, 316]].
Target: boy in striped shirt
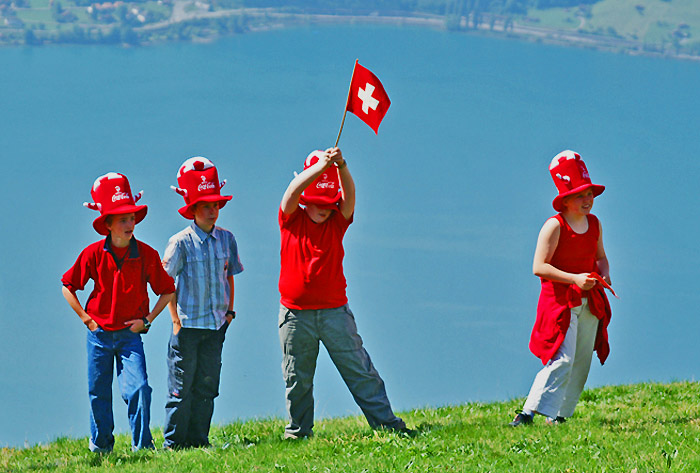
[[203, 259]]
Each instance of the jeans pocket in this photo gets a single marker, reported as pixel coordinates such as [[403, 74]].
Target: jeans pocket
[[284, 317], [347, 310], [96, 331]]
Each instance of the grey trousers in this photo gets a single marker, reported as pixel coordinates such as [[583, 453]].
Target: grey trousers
[[300, 332], [559, 384]]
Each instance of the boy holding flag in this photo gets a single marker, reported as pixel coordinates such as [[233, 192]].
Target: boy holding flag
[[314, 306]]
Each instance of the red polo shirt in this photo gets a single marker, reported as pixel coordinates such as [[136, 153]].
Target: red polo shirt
[[311, 275], [120, 291]]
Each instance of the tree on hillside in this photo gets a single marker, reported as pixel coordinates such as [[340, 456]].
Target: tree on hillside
[[30, 38], [542, 4]]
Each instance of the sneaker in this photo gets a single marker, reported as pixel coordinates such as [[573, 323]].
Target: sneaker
[[521, 419], [297, 436], [556, 421], [407, 432]]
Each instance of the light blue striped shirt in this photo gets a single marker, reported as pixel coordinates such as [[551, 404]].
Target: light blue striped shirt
[[200, 263]]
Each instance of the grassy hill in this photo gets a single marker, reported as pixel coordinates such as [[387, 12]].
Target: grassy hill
[[660, 27], [631, 429], [656, 24]]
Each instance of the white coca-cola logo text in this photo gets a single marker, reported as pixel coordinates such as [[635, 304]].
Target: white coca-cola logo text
[[119, 195], [205, 185]]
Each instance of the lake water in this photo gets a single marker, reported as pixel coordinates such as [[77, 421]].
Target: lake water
[[451, 196]]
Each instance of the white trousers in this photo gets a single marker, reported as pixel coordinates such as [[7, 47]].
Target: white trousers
[[559, 384]]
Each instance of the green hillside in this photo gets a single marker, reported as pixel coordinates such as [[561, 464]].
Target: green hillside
[[627, 429], [672, 25], [660, 27]]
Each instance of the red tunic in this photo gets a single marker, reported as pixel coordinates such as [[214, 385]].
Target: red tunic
[[120, 291], [311, 273], [575, 253]]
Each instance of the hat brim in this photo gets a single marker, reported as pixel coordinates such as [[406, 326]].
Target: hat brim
[[101, 227], [557, 203], [186, 211], [320, 200]]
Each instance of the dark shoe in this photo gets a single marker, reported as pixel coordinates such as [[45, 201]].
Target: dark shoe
[[521, 419], [406, 432], [297, 436], [558, 420]]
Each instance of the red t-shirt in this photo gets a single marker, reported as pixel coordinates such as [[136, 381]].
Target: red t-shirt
[[120, 293], [311, 274]]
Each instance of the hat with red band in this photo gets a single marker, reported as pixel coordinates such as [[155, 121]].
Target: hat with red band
[[325, 190], [570, 175], [112, 195], [198, 181]]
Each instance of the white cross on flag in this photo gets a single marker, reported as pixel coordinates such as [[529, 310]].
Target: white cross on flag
[[367, 98]]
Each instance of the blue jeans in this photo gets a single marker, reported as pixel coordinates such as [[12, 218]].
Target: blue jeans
[[194, 371], [126, 348], [300, 332]]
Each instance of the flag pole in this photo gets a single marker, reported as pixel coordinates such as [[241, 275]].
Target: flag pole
[[342, 123]]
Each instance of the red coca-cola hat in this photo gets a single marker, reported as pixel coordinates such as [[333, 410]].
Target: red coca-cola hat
[[198, 181], [570, 176], [112, 196], [325, 190]]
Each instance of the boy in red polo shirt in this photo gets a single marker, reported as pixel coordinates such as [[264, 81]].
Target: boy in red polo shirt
[[573, 312], [314, 306], [117, 310]]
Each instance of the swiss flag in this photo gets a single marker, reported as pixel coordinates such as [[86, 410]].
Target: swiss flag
[[367, 98]]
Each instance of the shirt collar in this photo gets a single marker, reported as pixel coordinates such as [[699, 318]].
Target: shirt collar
[[133, 247], [201, 234]]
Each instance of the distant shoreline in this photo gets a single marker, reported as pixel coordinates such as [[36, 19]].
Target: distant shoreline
[[271, 19], [266, 19]]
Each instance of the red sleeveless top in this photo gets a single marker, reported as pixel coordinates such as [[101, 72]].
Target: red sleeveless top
[[575, 253]]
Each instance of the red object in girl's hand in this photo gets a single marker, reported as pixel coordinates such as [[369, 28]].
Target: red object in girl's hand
[[602, 281]]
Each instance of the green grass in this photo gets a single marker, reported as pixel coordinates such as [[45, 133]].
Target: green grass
[[560, 18], [636, 428], [654, 24], [36, 16]]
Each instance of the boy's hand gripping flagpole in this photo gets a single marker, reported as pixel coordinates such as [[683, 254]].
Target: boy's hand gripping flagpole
[[366, 98]]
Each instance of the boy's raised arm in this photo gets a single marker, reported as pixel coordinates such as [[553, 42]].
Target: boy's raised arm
[[347, 184], [290, 199]]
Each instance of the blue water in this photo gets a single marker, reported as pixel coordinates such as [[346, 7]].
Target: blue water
[[451, 196]]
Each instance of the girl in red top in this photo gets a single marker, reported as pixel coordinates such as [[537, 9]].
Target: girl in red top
[[573, 311]]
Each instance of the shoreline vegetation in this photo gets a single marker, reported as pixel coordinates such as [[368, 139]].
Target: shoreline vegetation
[[627, 429], [655, 31]]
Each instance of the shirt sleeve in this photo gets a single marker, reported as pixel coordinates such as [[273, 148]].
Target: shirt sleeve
[[341, 222], [234, 261], [78, 275], [283, 219], [173, 260], [161, 282]]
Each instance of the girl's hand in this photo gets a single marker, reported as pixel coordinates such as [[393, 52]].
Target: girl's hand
[[92, 325], [584, 281]]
